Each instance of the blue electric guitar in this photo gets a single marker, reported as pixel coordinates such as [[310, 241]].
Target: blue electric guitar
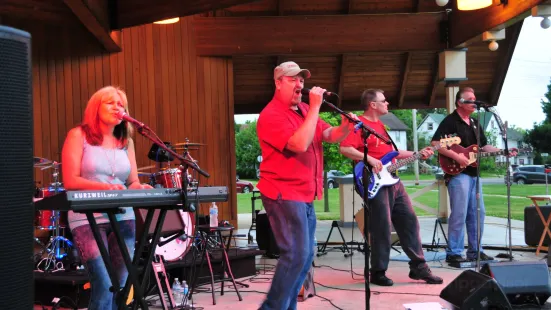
[[387, 177]]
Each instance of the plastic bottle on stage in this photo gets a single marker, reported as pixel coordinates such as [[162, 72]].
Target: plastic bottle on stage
[[185, 288], [176, 291], [213, 215]]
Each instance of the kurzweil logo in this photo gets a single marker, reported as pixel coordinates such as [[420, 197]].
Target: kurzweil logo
[[93, 195]]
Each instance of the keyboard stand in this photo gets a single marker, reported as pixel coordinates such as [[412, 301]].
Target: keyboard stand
[[131, 265]]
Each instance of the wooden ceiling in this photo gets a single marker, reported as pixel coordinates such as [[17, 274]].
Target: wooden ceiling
[[348, 45]]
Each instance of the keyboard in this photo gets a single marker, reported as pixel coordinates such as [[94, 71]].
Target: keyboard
[[81, 201]]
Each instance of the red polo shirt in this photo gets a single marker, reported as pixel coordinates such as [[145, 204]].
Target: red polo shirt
[[375, 147], [294, 176]]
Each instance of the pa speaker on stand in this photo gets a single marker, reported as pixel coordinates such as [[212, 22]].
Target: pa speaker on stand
[[16, 164]]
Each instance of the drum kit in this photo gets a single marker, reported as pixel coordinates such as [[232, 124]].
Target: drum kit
[[51, 221], [170, 177], [55, 222]]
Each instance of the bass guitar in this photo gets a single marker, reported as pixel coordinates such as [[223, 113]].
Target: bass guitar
[[387, 176], [451, 167]]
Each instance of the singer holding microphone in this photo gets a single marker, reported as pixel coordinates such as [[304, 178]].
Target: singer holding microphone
[[99, 155], [462, 187], [290, 134]]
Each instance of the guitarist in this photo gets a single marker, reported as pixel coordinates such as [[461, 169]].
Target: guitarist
[[462, 187], [391, 205]]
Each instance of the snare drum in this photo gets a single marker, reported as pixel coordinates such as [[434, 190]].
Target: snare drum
[[169, 178], [45, 219]]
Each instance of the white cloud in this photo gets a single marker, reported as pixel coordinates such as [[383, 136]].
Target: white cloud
[[528, 76]]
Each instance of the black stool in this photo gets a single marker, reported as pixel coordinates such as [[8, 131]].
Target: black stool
[[207, 232]]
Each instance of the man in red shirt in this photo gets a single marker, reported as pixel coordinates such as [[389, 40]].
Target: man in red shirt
[[391, 205], [290, 134]]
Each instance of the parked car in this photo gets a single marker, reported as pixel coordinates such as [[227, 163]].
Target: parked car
[[531, 174], [244, 186], [332, 182]]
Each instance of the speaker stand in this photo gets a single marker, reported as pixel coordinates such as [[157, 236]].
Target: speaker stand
[[344, 248], [435, 243]]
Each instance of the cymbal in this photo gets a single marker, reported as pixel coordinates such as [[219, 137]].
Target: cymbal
[[39, 161], [146, 167], [188, 144], [179, 148]]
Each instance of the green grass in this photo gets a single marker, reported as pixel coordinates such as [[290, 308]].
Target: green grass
[[495, 205]]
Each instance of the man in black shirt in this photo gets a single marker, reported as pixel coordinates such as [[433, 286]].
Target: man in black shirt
[[462, 187]]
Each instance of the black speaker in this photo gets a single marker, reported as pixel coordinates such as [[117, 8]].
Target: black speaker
[[264, 236], [16, 165], [533, 227], [522, 282], [476, 291]]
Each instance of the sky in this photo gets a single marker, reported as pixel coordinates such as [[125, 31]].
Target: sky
[[526, 81]]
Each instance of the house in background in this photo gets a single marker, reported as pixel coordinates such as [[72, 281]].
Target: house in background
[[396, 130], [427, 127], [489, 123]]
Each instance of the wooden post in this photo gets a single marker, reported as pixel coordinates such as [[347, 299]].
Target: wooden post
[[452, 69]]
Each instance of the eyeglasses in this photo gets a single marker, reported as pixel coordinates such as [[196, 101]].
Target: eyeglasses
[[384, 101]]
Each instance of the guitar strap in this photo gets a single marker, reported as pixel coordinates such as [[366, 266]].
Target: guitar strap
[[392, 141]]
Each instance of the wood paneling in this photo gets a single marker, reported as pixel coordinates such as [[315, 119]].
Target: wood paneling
[[138, 12], [178, 94], [466, 25], [231, 36]]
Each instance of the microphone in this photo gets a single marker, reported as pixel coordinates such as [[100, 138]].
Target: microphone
[[306, 91], [124, 116], [477, 102]]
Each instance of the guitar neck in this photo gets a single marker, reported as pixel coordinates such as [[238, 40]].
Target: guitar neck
[[490, 154], [408, 160]]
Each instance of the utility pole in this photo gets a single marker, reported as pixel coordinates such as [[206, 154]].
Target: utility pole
[[415, 145]]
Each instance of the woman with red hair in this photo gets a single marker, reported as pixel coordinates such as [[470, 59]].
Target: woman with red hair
[[99, 154]]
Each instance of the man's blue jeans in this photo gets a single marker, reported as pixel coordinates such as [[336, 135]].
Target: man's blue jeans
[[293, 224], [462, 190], [100, 296]]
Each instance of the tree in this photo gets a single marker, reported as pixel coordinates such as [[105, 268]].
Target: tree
[[247, 150], [332, 158], [540, 136]]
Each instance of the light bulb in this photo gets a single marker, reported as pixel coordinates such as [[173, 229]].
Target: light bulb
[[493, 46], [545, 23], [442, 2]]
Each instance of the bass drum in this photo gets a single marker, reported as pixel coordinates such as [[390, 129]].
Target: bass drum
[[176, 249]]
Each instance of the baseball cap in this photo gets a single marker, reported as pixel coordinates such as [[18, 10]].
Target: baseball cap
[[290, 68]]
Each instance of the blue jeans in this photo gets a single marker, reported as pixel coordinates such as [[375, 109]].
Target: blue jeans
[[100, 296], [462, 191], [293, 224]]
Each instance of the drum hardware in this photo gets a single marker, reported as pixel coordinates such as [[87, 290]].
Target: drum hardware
[[50, 220]]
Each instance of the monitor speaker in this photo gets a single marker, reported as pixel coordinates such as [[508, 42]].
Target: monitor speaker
[[522, 282], [16, 166], [473, 290]]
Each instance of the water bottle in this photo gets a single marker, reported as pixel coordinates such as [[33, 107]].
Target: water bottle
[[185, 288], [213, 214], [176, 291]]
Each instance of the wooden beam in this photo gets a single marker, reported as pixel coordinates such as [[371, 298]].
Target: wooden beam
[[506, 54], [138, 12], [272, 35], [436, 81], [280, 7], [340, 89], [466, 25], [110, 40], [405, 75]]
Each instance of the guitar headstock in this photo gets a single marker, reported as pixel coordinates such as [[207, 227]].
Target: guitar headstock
[[449, 140]]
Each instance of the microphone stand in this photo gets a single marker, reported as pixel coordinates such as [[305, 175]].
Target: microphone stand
[[366, 132], [503, 129], [478, 237]]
